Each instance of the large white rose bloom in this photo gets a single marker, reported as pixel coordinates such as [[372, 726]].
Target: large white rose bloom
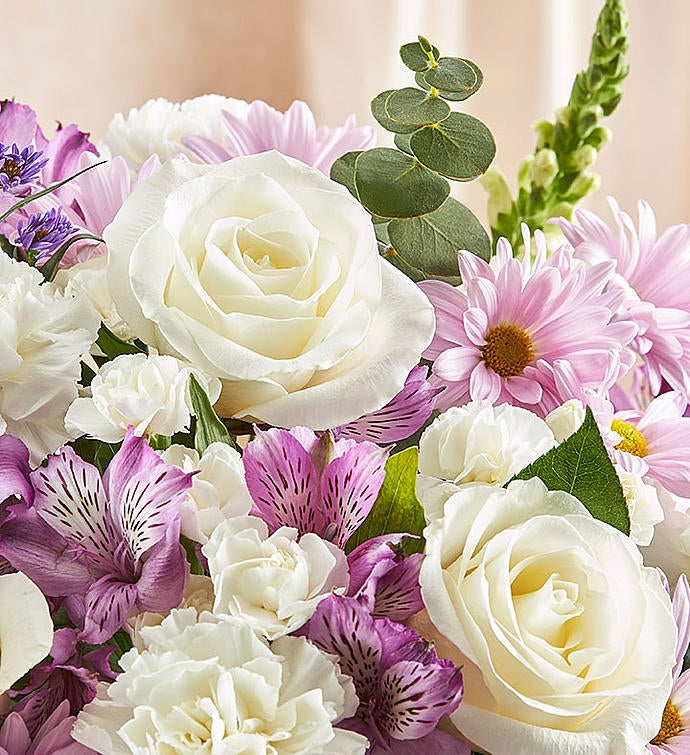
[[265, 273], [477, 443], [567, 640], [26, 629], [149, 392], [218, 491], [670, 547], [212, 686], [42, 337], [273, 582], [158, 126]]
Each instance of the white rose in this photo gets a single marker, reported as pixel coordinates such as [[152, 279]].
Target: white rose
[[670, 546], [26, 629], [265, 273], [212, 686], [42, 337], [477, 443], [276, 582], [567, 640], [158, 126], [643, 506], [218, 491], [566, 419], [149, 392]]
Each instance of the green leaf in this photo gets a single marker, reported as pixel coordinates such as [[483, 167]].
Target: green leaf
[[397, 508], [415, 58], [581, 466], [402, 142], [122, 642], [378, 110], [49, 190], [209, 429], [414, 107], [190, 550], [112, 346], [454, 76], [394, 185], [461, 147], [430, 243], [49, 269], [343, 171]]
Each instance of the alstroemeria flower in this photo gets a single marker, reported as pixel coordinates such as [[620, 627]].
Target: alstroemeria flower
[[298, 479], [108, 544], [403, 687]]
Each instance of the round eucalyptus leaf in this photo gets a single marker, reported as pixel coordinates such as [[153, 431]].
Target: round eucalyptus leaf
[[343, 171], [392, 184], [461, 147], [458, 96], [420, 81], [402, 141], [415, 58], [430, 243], [454, 75], [414, 107], [378, 110]]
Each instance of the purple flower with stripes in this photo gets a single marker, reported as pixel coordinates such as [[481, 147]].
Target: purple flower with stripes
[[106, 544], [400, 418], [54, 737], [298, 479], [20, 168], [404, 689], [43, 233]]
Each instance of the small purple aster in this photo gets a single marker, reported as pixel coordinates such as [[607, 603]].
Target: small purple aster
[[20, 167], [43, 233]]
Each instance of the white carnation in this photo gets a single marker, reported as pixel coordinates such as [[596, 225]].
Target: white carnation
[[566, 419], [213, 686], [643, 506], [42, 337], [148, 392], [276, 582], [477, 443], [159, 126], [218, 491]]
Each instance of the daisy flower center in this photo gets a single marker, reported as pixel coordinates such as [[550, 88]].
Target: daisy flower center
[[633, 441], [508, 350], [671, 725]]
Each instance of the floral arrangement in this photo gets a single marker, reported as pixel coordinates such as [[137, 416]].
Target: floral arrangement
[[297, 458]]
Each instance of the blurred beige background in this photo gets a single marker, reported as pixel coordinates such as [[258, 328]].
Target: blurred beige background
[[82, 60]]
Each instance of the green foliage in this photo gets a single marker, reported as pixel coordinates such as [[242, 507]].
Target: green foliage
[[432, 241], [189, 546], [49, 268], [559, 173], [406, 189], [581, 466], [397, 508], [122, 642], [112, 346], [209, 429], [417, 189]]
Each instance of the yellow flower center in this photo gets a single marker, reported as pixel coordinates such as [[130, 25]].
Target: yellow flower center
[[633, 441], [671, 725], [508, 350]]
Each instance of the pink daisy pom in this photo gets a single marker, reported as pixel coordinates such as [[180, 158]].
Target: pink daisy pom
[[652, 273], [514, 328]]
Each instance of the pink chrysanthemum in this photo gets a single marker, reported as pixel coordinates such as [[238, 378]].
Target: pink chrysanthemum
[[674, 732], [514, 327], [294, 133], [653, 273], [656, 443]]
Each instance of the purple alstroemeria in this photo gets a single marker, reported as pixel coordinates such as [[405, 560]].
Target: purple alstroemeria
[[404, 689], [298, 479], [384, 579], [43, 233], [20, 168], [69, 675], [14, 473], [402, 416], [107, 544], [54, 737]]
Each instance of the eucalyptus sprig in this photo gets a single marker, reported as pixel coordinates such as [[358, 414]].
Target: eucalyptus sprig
[[405, 189], [559, 173]]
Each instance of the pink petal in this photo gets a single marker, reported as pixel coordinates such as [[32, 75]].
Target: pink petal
[[108, 603], [485, 384], [523, 389], [476, 323], [14, 470], [161, 584]]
